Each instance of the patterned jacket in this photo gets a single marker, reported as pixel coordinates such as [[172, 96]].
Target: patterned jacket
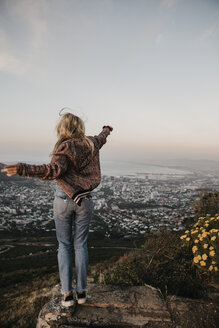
[[74, 166]]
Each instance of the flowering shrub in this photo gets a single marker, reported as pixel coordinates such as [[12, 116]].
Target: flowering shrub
[[203, 238], [161, 262]]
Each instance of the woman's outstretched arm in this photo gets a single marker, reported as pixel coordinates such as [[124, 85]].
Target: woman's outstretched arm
[[44, 171], [101, 138], [54, 170]]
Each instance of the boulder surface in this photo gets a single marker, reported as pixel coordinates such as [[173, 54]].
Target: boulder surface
[[117, 307]]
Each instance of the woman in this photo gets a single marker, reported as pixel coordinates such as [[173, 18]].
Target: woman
[[76, 168]]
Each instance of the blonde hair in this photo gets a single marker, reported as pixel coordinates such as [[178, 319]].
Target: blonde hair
[[71, 126]]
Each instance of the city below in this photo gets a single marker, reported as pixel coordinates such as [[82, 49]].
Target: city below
[[124, 205]]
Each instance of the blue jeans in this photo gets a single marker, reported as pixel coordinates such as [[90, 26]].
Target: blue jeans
[[67, 213]]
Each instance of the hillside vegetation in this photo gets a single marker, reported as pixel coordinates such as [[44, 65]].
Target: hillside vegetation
[[29, 270], [181, 265]]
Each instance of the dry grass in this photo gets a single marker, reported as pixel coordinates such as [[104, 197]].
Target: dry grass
[[21, 304]]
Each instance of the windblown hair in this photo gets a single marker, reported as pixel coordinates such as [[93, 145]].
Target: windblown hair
[[71, 126]]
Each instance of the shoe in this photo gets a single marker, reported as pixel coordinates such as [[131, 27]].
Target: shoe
[[81, 297], [68, 299]]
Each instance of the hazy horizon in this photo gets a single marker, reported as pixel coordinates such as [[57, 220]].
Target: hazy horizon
[[148, 68], [180, 163]]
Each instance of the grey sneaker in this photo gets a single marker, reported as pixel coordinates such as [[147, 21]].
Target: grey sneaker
[[81, 297], [68, 299]]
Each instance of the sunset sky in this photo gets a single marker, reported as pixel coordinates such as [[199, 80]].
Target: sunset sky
[[149, 68]]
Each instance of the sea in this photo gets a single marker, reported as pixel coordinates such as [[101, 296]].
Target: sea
[[120, 168]]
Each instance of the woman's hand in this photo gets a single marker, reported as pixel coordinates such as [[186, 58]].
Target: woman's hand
[[11, 169], [109, 127]]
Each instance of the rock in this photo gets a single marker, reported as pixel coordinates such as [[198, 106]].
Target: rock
[[129, 307], [107, 306], [193, 313]]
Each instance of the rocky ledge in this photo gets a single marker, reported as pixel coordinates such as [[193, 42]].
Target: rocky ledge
[[129, 307]]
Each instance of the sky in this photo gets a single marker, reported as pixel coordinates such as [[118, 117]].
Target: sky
[[148, 68]]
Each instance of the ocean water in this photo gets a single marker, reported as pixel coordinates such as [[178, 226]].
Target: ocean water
[[119, 168]]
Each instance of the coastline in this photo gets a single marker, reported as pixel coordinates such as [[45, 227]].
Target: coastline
[[120, 168]]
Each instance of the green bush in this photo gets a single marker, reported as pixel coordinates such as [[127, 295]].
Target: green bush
[[208, 203], [163, 262]]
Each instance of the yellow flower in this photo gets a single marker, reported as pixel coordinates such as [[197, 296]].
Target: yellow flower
[[203, 263], [205, 245], [212, 253], [196, 241], [204, 234], [208, 214], [187, 231], [213, 262], [206, 224], [201, 239], [196, 259], [199, 257], [204, 256], [210, 268], [194, 249], [211, 248], [211, 219], [188, 239], [213, 238], [182, 237], [215, 269]]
